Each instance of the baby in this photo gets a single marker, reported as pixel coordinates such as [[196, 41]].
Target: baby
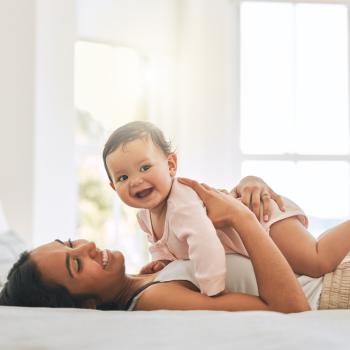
[[141, 168]]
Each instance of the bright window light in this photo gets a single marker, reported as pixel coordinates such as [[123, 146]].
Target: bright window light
[[294, 103], [294, 78]]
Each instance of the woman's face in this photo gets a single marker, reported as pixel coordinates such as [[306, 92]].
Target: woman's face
[[81, 267]]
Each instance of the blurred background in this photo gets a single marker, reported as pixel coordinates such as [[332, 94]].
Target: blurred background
[[239, 87]]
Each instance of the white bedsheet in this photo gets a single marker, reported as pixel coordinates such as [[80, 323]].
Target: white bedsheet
[[44, 328]]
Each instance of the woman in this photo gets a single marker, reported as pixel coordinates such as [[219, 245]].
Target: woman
[[77, 274]]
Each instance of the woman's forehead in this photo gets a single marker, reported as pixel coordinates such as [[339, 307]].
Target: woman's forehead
[[47, 247]]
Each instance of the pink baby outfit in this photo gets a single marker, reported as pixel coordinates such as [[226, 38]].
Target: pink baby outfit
[[190, 234]]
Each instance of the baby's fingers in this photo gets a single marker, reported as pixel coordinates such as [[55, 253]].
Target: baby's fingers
[[147, 269], [159, 265]]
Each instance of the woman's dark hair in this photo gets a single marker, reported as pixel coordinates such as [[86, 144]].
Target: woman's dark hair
[[24, 287], [132, 131]]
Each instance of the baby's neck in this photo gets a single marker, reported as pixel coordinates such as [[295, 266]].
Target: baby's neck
[[159, 210], [158, 214]]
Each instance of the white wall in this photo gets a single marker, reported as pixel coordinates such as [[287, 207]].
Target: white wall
[[195, 99], [17, 37], [144, 25], [206, 92], [36, 109], [54, 158], [191, 39]]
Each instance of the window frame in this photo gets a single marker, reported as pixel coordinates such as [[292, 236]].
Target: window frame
[[240, 156]]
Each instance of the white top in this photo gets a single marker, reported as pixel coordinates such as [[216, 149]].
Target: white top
[[188, 233], [240, 278]]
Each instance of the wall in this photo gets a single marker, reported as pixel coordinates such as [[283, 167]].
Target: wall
[[144, 25], [190, 42], [190, 39], [36, 131], [208, 78], [17, 37], [54, 158]]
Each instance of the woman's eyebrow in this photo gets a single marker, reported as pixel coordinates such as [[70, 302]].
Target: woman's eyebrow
[[67, 259], [59, 241]]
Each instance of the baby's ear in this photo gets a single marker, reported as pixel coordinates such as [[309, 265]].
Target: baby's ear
[[112, 185], [172, 164]]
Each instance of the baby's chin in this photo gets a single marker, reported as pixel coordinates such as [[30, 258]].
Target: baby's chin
[[144, 204]]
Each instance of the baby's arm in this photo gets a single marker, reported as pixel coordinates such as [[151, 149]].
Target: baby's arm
[[191, 224], [160, 254], [305, 254]]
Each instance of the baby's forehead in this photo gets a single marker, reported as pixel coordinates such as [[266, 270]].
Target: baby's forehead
[[140, 145]]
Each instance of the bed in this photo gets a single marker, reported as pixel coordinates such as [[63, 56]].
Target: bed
[[45, 328]]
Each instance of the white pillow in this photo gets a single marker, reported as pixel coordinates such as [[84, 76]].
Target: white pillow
[[11, 246]]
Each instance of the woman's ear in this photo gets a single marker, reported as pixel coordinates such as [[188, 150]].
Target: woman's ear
[[172, 164], [89, 304]]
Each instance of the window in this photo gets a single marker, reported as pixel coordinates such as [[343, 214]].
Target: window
[[295, 103]]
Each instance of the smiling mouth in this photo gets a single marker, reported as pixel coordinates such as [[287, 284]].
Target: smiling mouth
[[145, 193], [105, 259]]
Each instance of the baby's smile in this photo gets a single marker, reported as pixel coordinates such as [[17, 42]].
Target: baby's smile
[[144, 193]]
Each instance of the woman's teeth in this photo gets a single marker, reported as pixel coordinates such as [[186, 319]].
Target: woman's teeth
[[104, 258]]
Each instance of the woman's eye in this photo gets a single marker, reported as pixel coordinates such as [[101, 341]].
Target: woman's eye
[[122, 178], [144, 168], [77, 265]]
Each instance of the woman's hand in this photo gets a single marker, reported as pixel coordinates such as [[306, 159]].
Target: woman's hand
[[252, 191], [222, 208]]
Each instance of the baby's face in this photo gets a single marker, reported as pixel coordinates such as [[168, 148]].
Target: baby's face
[[141, 173]]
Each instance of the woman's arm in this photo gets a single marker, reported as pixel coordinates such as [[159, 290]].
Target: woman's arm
[[278, 288], [253, 191], [175, 295]]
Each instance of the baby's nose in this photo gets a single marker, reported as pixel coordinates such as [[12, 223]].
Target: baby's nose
[[136, 181]]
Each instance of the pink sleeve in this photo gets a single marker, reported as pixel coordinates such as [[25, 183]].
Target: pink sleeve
[[141, 218], [158, 251], [191, 223]]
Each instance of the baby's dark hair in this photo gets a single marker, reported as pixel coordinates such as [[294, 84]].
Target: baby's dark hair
[[24, 287], [132, 131]]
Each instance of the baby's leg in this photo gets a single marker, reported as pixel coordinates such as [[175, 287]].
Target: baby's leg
[[305, 254]]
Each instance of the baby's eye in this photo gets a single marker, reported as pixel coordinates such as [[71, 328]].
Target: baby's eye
[[122, 178], [144, 168]]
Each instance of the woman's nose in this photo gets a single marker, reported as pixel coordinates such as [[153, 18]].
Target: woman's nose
[[87, 248]]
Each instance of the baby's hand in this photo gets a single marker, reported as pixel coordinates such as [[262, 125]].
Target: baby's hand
[[154, 266]]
